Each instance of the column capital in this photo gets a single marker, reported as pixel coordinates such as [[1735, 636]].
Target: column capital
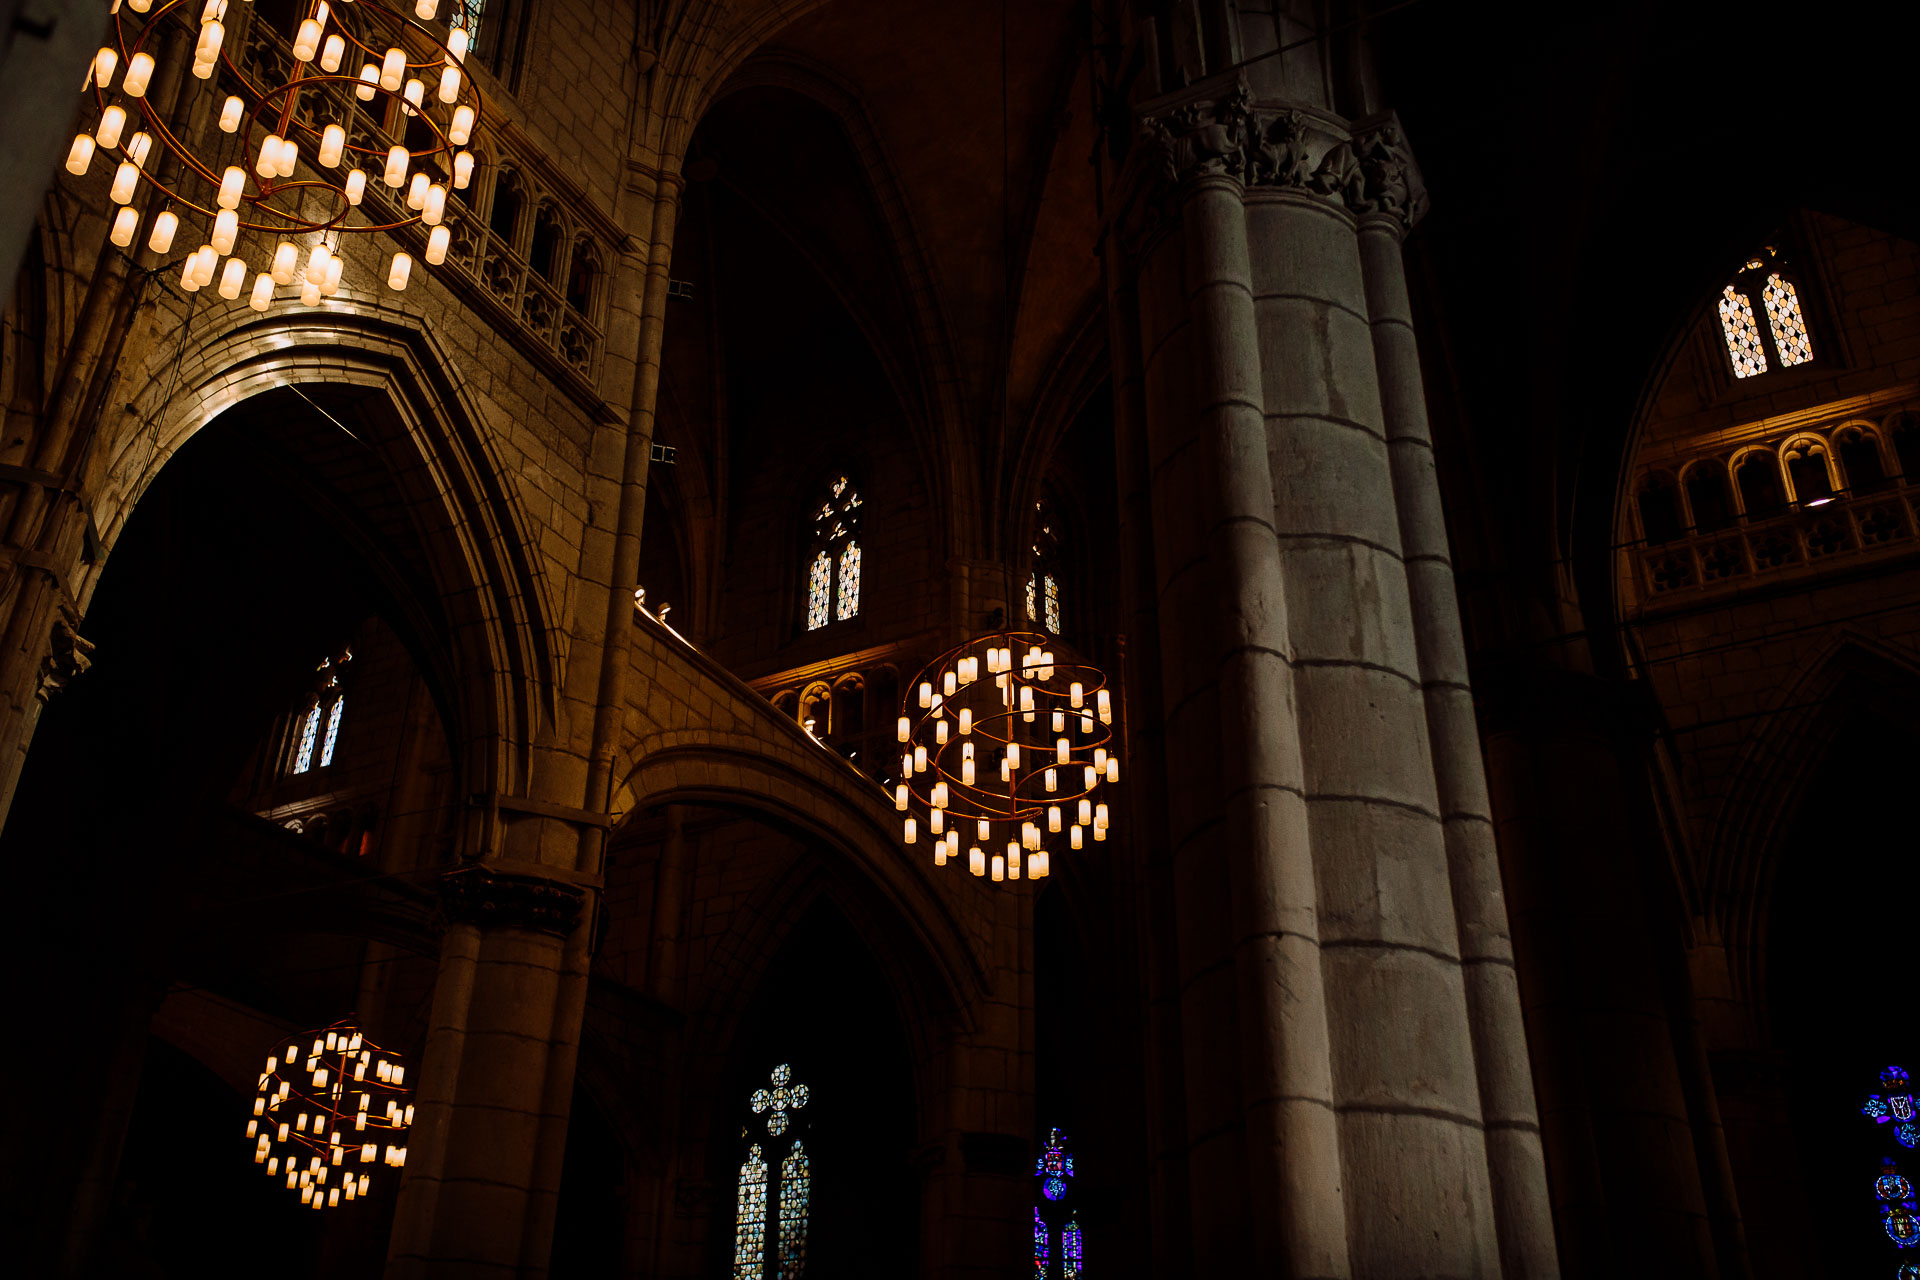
[[487, 899], [1222, 129]]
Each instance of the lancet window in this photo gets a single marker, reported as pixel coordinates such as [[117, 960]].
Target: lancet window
[[1043, 570], [833, 564], [764, 1202], [316, 726], [1057, 1238], [1763, 289]]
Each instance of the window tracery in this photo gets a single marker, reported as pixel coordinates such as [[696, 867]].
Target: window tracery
[[1043, 570], [1762, 286], [833, 570], [785, 1203], [323, 708], [1054, 1168]]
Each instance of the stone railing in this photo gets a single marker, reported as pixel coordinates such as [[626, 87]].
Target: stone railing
[[1802, 540], [481, 265]]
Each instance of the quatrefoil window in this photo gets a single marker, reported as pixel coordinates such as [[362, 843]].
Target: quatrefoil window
[[782, 1096]]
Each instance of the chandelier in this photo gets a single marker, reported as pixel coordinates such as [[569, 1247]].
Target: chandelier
[[1005, 747], [290, 217], [322, 1115]]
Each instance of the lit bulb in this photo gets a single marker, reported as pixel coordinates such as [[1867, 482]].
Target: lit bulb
[[306, 41], [232, 183], [435, 208], [286, 260], [417, 192], [1100, 817], [1013, 866], [920, 759], [226, 228], [926, 695], [309, 294], [269, 159], [966, 772], [125, 179], [231, 112], [369, 80], [393, 68], [1075, 695], [413, 95], [1053, 780], [1060, 751], [1013, 754], [976, 861], [356, 187], [397, 280], [139, 147], [949, 683], [937, 822], [940, 732], [112, 121], [1090, 778], [462, 127], [1073, 838], [333, 142], [457, 41], [437, 241], [397, 158], [900, 797], [1053, 818], [966, 721], [425, 9], [262, 297], [1113, 768], [911, 830], [139, 75], [331, 53], [999, 867], [462, 170], [335, 269], [80, 155], [104, 63], [233, 277], [317, 266], [449, 84], [905, 730], [1059, 721], [207, 48], [1104, 701], [288, 156], [125, 224]]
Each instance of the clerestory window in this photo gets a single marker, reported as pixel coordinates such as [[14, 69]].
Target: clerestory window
[[1763, 320], [316, 736], [833, 563], [776, 1182]]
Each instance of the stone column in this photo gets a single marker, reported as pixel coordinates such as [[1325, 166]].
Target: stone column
[[1333, 1093], [471, 1182], [1522, 1210]]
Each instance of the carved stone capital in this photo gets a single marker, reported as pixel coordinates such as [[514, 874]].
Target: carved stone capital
[[1366, 168], [493, 900], [69, 654]]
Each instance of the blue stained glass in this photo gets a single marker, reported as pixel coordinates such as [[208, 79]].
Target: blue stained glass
[[1875, 1109], [311, 731], [1054, 1166], [1054, 1188], [1907, 1134], [1908, 1271], [1070, 1249], [750, 1218], [795, 1181], [1891, 1186], [1040, 1251], [1901, 1105], [333, 732], [1895, 1077]]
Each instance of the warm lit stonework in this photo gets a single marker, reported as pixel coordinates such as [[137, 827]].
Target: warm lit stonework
[[1136, 639]]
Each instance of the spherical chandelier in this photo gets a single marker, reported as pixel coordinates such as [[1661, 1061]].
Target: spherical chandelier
[[1005, 747], [324, 1114], [284, 191]]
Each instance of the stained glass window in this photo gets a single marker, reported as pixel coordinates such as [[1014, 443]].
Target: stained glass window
[[1784, 319], [308, 733], [778, 1109], [1033, 597], [1054, 1167], [1043, 580], [795, 1181], [1742, 334], [1040, 1243], [849, 582], [1070, 1249], [333, 732], [750, 1218], [1053, 604], [833, 574], [819, 591], [466, 13]]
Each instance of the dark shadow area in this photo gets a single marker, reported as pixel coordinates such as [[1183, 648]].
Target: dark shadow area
[[1840, 959]]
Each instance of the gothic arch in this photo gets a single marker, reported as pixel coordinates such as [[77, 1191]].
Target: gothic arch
[[503, 633], [1769, 785], [937, 407]]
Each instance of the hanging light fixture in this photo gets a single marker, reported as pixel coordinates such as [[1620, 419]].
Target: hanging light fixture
[[254, 202], [330, 1105], [1004, 748]]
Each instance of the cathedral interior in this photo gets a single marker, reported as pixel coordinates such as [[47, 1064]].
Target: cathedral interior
[[1435, 485]]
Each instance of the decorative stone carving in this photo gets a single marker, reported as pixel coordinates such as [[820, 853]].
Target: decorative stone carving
[[492, 900], [1369, 172], [67, 659]]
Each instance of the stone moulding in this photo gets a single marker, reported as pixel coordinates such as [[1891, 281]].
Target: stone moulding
[[493, 900], [1365, 167]]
